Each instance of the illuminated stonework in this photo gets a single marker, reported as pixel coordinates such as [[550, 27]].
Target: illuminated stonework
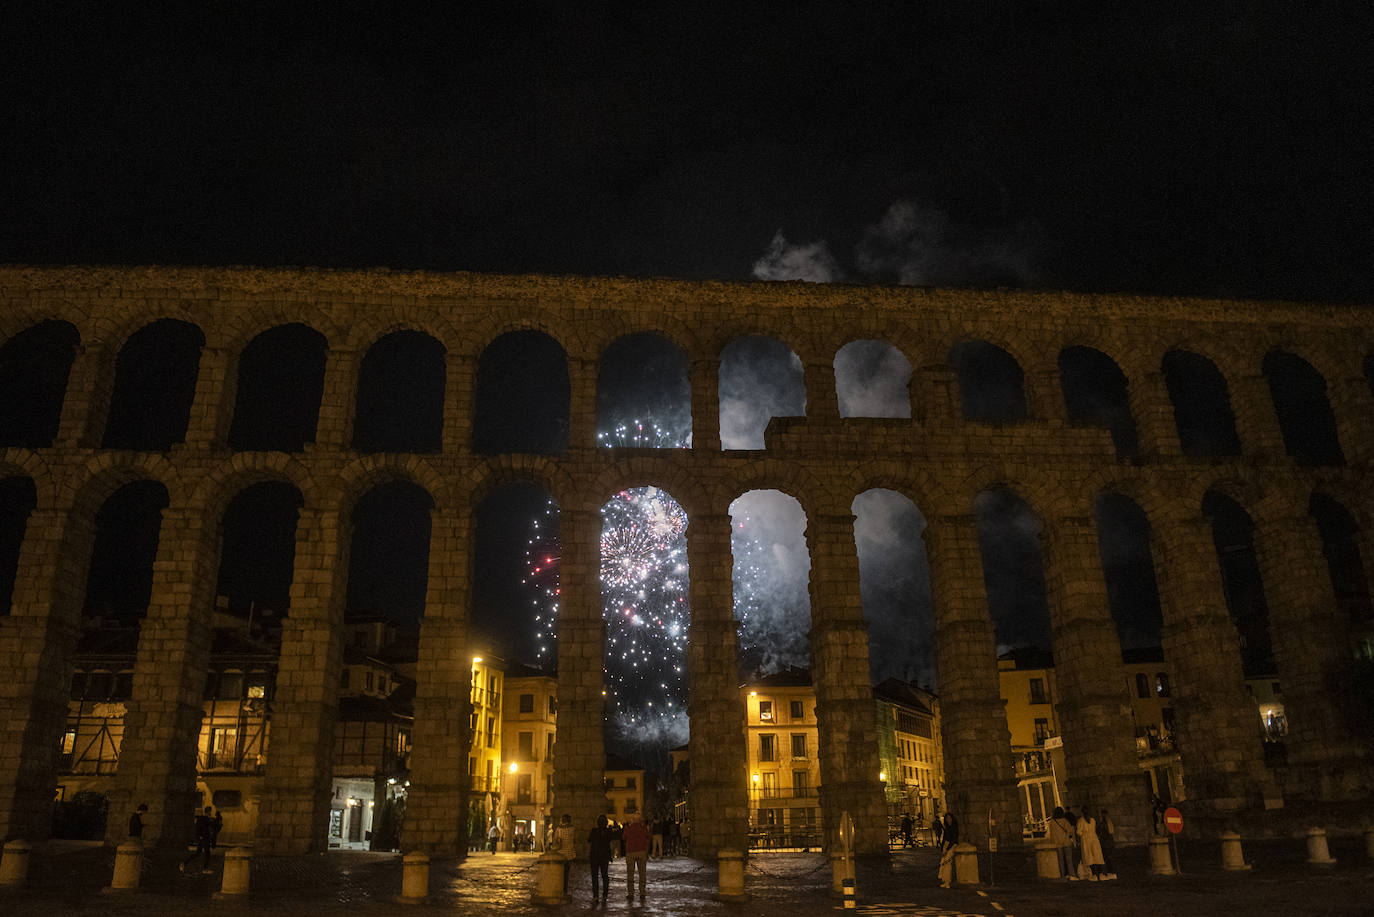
[[936, 457]]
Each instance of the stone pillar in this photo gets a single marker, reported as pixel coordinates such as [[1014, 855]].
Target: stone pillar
[[846, 716], [979, 775], [1311, 651], [935, 395], [212, 408], [1218, 731], [580, 752], [339, 401], [90, 383], [720, 789], [1257, 423], [38, 638], [1045, 397], [460, 402], [437, 805], [582, 376], [706, 405], [822, 402], [1155, 425], [1094, 711], [294, 815], [157, 761], [1352, 404]]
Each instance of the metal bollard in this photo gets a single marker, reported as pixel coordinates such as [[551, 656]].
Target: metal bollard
[[731, 876], [238, 867], [1317, 852], [414, 879], [849, 902], [965, 864], [841, 868], [549, 889], [1047, 859], [14, 863], [1161, 860], [128, 865], [1231, 856]]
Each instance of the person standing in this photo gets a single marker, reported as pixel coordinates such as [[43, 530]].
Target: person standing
[[136, 822], [636, 842], [1106, 838], [1061, 835], [907, 825], [564, 844], [599, 857], [493, 836], [949, 839], [1088, 845], [656, 843]]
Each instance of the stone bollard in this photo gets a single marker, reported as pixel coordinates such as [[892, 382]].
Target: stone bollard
[[965, 864], [1369, 842], [1047, 859], [1317, 852], [1161, 860], [238, 866], [1231, 856], [549, 887], [128, 865], [14, 863], [840, 869], [414, 879], [731, 876]]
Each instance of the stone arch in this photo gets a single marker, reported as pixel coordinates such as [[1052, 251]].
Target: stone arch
[[259, 521], [1340, 529], [1010, 538], [35, 364], [213, 492], [239, 328], [1094, 390], [625, 399], [1201, 397], [992, 383], [894, 586], [746, 391], [872, 379], [18, 499], [1233, 529], [367, 471], [127, 533], [391, 526], [285, 369], [523, 382], [1303, 407], [24, 463], [154, 385], [767, 547], [1124, 535], [399, 404]]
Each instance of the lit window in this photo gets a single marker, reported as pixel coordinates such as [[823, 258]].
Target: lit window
[[766, 711]]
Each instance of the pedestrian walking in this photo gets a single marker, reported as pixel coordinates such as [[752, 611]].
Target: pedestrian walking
[[564, 844], [635, 839], [656, 840], [599, 857], [493, 836], [949, 839], [907, 825], [937, 827], [204, 832]]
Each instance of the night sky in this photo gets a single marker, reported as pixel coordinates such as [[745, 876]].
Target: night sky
[[1216, 148]]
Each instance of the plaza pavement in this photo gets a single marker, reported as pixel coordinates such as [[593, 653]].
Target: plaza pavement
[[67, 879]]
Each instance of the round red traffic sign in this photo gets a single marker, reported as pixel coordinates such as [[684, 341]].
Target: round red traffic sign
[[1173, 820]]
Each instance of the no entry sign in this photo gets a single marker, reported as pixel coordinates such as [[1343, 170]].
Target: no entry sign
[[1173, 820]]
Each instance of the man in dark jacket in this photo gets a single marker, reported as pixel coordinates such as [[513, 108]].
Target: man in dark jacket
[[599, 856], [205, 840]]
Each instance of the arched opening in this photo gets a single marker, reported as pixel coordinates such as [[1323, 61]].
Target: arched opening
[[644, 602], [644, 394], [34, 366], [894, 586], [772, 575], [1123, 539], [280, 385], [991, 384], [119, 583], [388, 566], [760, 378], [18, 497], [258, 551], [1202, 405], [872, 379], [400, 405], [1303, 409], [155, 383], [1340, 544], [522, 395], [1233, 535], [1095, 395]]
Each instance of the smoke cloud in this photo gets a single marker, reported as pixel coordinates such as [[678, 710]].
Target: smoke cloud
[[911, 244], [772, 569]]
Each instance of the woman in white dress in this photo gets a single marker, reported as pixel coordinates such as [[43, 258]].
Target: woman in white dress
[[1089, 847]]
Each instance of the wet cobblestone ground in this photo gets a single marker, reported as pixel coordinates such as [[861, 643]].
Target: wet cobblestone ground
[[68, 880]]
